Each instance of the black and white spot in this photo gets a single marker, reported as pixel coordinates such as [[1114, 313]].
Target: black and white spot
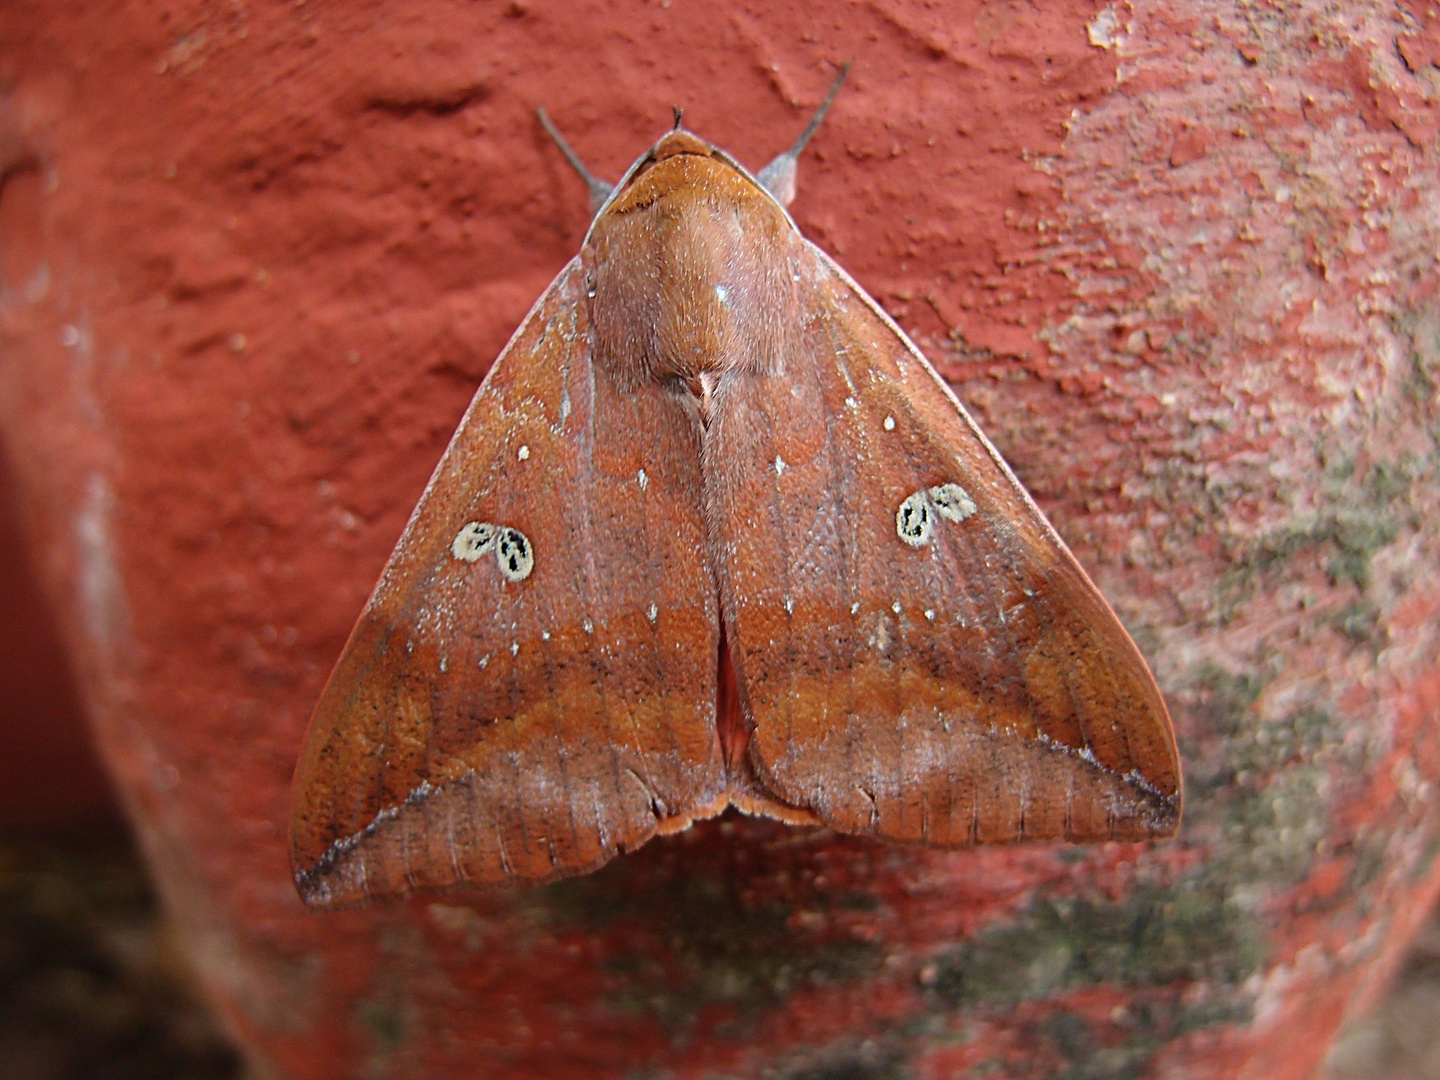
[[912, 520], [915, 520], [514, 554], [952, 502], [473, 540]]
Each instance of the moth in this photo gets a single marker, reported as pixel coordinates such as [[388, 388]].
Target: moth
[[712, 534]]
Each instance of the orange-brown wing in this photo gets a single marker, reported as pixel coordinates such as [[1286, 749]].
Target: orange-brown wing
[[531, 687], [917, 652]]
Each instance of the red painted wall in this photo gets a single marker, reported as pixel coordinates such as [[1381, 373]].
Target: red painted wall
[[1177, 258], [49, 774]]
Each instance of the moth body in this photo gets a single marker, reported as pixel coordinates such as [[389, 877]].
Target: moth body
[[713, 533]]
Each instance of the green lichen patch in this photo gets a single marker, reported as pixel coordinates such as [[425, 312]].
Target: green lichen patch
[[1421, 328], [1260, 787], [1360, 622], [1125, 1047], [1153, 936], [870, 1059], [1085, 1058], [1357, 514], [390, 1016], [1236, 744], [1356, 540], [708, 944], [1259, 794], [384, 1021]]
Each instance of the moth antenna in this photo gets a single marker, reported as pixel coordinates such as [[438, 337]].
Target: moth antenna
[[679, 112], [778, 177], [599, 189]]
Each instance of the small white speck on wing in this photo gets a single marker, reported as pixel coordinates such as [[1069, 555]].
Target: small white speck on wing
[[485, 660], [855, 607], [588, 626], [524, 453], [930, 614], [514, 648], [642, 480], [544, 635], [444, 665], [779, 465], [851, 403], [653, 613], [722, 294], [789, 605], [889, 424], [895, 607]]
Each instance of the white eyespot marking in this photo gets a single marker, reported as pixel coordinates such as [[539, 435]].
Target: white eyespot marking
[[889, 423], [722, 294], [514, 648], [514, 554], [912, 520], [524, 453], [952, 502], [855, 608], [473, 540], [779, 465], [930, 614], [895, 607], [589, 626], [642, 480], [789, 605], [653, 613], [915, 520]]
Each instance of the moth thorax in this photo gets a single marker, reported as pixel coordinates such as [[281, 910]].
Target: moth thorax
[[693, 279]]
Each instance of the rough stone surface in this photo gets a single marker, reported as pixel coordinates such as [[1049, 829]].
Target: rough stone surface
[[1177, 257]]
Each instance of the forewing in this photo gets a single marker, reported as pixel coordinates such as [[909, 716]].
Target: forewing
[[486, 723], [965, 685]]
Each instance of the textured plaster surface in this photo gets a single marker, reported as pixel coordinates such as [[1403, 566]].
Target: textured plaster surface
[[1177, 258]]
